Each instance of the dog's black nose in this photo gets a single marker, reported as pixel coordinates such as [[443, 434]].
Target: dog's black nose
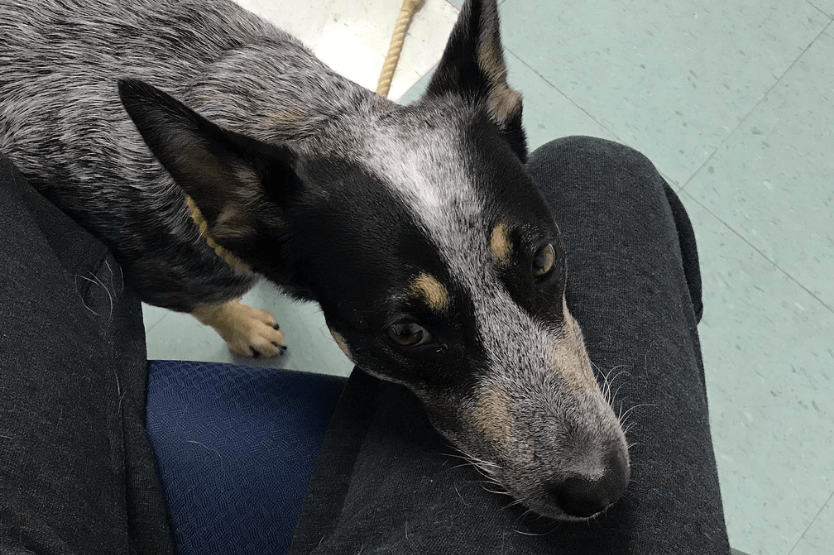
[[583, 497]]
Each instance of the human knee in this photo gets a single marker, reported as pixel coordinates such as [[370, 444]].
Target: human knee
[[600, 158]]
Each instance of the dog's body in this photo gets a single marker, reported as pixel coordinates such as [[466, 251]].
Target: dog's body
[[434, 259]]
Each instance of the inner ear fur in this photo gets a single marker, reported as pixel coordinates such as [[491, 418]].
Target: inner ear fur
[[473, 67], [234, 180]]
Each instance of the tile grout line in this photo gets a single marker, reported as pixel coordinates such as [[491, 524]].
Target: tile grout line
[[726, 140], [759, 252], [762, 99], [823, 12], [813, 520], [147, 331], [759, 102], [431, 70], [566, 97]]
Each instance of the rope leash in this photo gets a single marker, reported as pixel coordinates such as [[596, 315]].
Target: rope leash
[[407, 11]]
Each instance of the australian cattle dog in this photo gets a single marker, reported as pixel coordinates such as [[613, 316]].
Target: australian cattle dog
[[435, 260]]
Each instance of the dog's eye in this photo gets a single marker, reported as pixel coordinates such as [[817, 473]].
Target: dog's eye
[[408, 334], [544, 260]]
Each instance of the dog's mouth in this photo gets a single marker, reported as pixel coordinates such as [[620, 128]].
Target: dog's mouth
[[565, 467], [573, 496]]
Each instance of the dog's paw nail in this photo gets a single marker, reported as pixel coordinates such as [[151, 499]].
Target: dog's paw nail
[[276, 326], [255, 354]]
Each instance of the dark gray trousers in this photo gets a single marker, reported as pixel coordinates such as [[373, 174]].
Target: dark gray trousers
[[382, 483], [77, 474]]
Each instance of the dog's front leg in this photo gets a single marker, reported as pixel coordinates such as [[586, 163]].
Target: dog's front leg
[[249, 331]]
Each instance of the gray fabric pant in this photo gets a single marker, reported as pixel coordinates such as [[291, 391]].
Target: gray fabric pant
[[77, 474], [382, 483]]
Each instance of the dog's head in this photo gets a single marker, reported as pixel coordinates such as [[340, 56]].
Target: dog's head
[[435, 260]]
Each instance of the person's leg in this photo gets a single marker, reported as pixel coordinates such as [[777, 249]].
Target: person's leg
[[77, 474], [381, 483], [634, 285]]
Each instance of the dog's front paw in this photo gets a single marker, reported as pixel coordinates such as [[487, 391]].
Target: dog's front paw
[[249, 331]]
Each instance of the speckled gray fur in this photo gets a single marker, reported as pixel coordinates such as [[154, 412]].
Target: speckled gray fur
[[383, 193], [62, 124]]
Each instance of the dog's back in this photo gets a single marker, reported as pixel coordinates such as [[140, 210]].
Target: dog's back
[[62, 124]]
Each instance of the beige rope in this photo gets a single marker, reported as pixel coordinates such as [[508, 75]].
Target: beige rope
[[397, 39]]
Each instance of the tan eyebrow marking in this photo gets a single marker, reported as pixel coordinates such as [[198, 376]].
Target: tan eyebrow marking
[[500, 244], [492, 415], [432, 292]]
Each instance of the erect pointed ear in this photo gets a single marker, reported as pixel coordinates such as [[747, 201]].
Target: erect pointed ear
[[473, 67], [237, 182]]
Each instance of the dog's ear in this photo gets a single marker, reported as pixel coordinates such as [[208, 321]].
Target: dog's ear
[[473, 67], [237, 182]]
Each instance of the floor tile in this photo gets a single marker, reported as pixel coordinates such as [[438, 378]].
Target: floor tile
[[773, 181], [152, 315], [310, 346], [353, 37], [672, 79], [826, 6], [548, 114], [417, 89], [819, 538], [768, 357]]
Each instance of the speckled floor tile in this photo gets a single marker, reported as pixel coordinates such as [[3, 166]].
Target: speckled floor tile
[[310, 346], [773, 181], [825, 6], [353, 38], [769, 357], [819, 538], [672, 79]]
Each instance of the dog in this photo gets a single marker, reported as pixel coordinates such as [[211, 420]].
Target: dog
[[435, 261]]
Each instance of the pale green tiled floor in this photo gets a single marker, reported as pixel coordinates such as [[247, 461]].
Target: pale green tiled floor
[[734, 102]]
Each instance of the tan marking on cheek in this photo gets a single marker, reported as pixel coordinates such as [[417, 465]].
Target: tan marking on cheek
[[492, 415], [342, 344], [570, 358], [432, 292], [500, 245]]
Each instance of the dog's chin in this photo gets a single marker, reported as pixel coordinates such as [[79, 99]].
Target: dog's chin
[[544, 508], [536, 497]]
